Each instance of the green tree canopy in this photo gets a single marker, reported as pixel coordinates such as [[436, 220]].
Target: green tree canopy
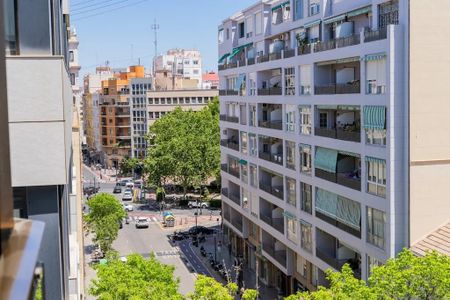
[[207, 288], [105, 213], [405, 277], [135, 279]]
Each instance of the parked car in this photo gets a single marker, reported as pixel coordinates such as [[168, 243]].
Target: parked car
[[128, 207], [193, 204], [89, 190], [129, 184], [138, 184], [200, 229], [127, 196], [142, 222], [123, 182], [117, 189]]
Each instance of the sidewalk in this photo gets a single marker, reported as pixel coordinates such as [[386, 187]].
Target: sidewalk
[[224, 256]]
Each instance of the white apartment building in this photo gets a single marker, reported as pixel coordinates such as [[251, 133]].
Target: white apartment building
[[180, 62], [74, 70], [333, 150]]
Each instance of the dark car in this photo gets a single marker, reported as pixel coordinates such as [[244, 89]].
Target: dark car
[[90, 190], [200, 229], [117, 189]]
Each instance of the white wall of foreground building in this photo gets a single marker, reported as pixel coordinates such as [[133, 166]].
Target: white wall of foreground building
[[412, 152]]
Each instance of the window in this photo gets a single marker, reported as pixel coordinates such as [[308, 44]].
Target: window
[[151, 115], [244, 142], [323, 120], [258, 23], [286, 13], [169, 100], [71, 56], [253, 151], [252, 115], [157, 115], [289, 82], [376, 220], [249, 25], [244, 173], [72, 78], [156, 100], [228, 33], [220, 36], [175, 100], [196, 72], [9, 21], [375, 125], [291, 229], [298, 10], [376, 76], [195, 62], [290, 118], [291, 191], [241, 30], [301, 265], [376, 176], [245, 202], [290, 155], [306, 197], [306, 236], [376, 137], [372, 263], [305, 119], [253, 175], [163, 100], [305, 159], [252, 87], [277, 16], [305, 80], [314, 7]]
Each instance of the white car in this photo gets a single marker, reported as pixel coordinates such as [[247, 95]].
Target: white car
[[142, 222], [193, 204], [129, 184], [127, 196], [128, 207]]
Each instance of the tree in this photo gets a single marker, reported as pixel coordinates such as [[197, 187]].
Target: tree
[[137, 278], [105, 214], [207, 288], [128, 165], [404, 277]]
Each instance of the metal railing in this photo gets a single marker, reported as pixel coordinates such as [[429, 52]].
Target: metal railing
[[232, 144], [275, 56], [370, 36], [262, 58], [340, 134], [324, 46], [231, 119], [302, 50], [345, 180], [277, 223], [275, 158], [278, 255], [270, 91], [333, 88], [334, 262], [277, 124], [250, 61], [228, 93], [289, 53], [275, 191], [348, 41]]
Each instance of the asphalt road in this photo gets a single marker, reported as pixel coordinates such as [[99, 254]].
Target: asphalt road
[[153, 239]]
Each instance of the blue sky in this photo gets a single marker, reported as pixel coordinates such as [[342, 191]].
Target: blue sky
[[123, 34]]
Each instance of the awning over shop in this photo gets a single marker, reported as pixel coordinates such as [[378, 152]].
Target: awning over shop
[[238, 49], [325, 159], [280, 5], [240, 80], [374, 117], [311, 24], [376, 56], [338, 61], [222, 58]]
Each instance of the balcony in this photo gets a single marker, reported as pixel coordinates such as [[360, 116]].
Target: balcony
[[232, 195], [230, 170], [305, 49], [275, 56], [273, 91], [228, 93], [346, 179], [275, 158], [251, 61], [339, 122], [277, 124], [230, 143], [331, 251], [229, 119], [376, 35], [276, 191], [333, 88], [262, 58], [289, 53], [348, 41], [274, 248], [324, 45]]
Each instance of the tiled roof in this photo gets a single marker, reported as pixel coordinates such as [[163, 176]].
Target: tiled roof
[[210, 77], [438, 240]]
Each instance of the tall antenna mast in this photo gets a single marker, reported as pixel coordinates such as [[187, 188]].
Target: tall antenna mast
[[155, 28]]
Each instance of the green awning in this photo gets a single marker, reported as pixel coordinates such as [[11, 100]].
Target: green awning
[[280, 5], [375, 160], [242, 162], [359, 11], [289, 215], [374, 117], [376, 56], [349, 153], [325, 159], [349, 107], [222, 58], [327, 106], [338, 61], [311, 24], [334, 19], [238, 49]]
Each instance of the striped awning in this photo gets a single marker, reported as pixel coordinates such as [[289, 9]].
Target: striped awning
[[374, 117], [280, 5], [359, 11], [238, 49], [222, 58], [325, 159], [349, 107], [327, 106], [334, 19], [376, 56], [375, 160], [311, 24]]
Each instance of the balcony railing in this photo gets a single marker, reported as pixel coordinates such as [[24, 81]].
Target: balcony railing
[[275, 158], [230, 170], [334, 262], [251, 61], [230, 144], [340, 134], [278, 255], [339, 178], [277, 223], [289, 53], [270, 91], [275, 56], [229, 119], [277, 191], [302, 50], [228, 93], [262, 58], [241, 63], [324, 46], [331, 89], [276, 124], [235, 197], [348, 41], [370, 36]]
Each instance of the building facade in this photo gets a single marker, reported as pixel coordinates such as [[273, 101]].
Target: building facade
[[324, 148], [40, 108], [74, 70], [210, 80]]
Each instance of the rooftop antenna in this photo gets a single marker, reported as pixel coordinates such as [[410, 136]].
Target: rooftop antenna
[[155, 28]]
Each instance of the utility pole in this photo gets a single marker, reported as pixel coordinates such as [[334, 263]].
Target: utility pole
[[155, 28]]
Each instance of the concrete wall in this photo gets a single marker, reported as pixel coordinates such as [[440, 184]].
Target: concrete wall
[[429, 79]]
